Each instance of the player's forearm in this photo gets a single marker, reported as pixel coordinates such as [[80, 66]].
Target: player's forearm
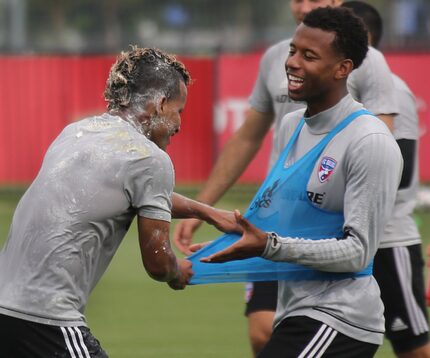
[[160, 263], [157, 256], [185, 208], [331, 254]]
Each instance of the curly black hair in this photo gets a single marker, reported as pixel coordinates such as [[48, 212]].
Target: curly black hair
[[351, 34], [143, 72]]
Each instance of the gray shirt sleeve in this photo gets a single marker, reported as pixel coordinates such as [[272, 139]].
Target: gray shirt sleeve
[[371, 183], [260, 98], [149, 186], [406, 122], [371, 84]]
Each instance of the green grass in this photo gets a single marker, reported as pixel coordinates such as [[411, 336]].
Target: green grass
[[134, 316]]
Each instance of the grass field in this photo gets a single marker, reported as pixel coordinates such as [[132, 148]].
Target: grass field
[[135, 317]]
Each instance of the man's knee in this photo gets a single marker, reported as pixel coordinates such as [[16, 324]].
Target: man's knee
[[259, 329]]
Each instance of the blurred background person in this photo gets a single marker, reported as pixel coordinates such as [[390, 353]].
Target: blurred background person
[[399, 266]]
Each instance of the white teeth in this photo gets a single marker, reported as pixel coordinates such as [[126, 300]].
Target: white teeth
[[295, 79]]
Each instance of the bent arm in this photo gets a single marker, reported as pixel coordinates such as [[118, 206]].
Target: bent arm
[[372, 177], [372, 85], [184, 207], [157, 256]]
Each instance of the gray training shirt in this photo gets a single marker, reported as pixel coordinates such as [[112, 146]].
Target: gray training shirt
[[401, 229], [363, 186], [370, 84], [95, 177]]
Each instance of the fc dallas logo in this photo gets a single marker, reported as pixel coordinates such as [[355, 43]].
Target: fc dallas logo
[[326, 167]]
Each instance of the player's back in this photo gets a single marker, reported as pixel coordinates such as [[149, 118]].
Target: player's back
[[72, 218]]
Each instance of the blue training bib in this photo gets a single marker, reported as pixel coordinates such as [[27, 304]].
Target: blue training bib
[[281, 205]]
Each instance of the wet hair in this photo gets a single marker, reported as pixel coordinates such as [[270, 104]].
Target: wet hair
[[142, 74], [351, 35], [371, 18]]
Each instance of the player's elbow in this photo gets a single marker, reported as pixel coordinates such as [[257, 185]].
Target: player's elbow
[[357, 264], [161, 272], [158, 274]]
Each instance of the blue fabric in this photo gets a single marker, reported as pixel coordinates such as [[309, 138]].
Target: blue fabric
[[281, 205]]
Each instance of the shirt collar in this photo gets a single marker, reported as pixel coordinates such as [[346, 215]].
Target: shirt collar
[[325, 121]]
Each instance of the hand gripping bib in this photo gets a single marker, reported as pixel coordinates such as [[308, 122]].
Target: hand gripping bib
[[281, 205]]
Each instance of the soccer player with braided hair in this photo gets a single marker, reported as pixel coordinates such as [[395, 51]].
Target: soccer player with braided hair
[[97, 176]]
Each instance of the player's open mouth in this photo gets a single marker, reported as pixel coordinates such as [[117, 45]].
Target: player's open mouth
[[294, 82]]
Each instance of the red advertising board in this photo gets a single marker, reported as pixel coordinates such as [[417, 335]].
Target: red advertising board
[[40, 95]]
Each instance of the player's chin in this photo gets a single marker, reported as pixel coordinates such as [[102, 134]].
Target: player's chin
[[295, 95]]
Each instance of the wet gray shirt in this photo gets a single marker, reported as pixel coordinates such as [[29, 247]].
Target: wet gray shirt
[[95, 177], [401, 229], [363, 186], [370, 84]]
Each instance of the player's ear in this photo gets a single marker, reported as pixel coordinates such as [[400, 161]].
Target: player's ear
[[162, 104], [156, 106], [344, 68]]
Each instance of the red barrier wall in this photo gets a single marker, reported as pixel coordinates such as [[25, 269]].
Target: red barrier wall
[[193, 150], [40, 95]]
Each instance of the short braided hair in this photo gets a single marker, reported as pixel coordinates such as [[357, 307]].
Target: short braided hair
[[143, 72]]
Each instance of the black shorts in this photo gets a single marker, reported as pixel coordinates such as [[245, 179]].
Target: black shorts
[[399, 272], [305, 337], [261, 296], [26, 339]]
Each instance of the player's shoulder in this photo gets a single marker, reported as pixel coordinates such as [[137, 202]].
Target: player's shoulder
[[374, 53], [374, 59], [368, 124], [276, 51], [400, 84], [368, 131], [291, 119]]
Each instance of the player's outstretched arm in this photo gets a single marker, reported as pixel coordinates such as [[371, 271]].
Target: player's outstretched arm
[[157, 256], [184, 207], [232, 162], [252, 243]]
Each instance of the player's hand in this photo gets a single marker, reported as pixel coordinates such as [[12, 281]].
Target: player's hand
[[251, 244], [185, 274], [196, 247], [224, 221], [183, 234]]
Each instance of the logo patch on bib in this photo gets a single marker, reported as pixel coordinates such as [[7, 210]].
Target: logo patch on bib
[[326, 168]]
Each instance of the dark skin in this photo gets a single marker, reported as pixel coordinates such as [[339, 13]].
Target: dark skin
[[322, 70], [317, 74], [157, 256], [251, 244]]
